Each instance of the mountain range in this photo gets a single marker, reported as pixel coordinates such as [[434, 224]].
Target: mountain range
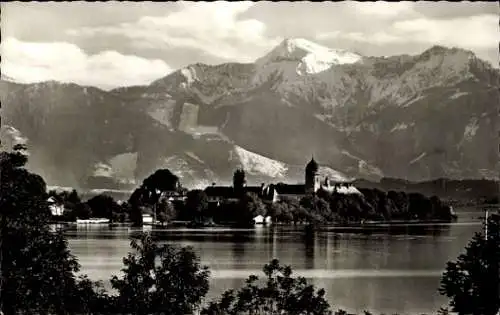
[[419, 117]]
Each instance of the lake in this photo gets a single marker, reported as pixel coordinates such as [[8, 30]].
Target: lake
[[391, 272]]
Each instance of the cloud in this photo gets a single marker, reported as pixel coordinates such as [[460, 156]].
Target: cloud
[[475, 32], [212, 27], [449, 10], [182, 33], [378, 38], [30, 62], [383, 9]]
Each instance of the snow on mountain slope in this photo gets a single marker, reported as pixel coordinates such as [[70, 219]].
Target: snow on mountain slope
[[103, 170], [436, 67], [192, 174], [301, 57], [257, 164], [363, 167], [332, 175], [203, 83], [7, 78], [11, 136], [123, 166], [161, 109], [302, 68], [313, 58]]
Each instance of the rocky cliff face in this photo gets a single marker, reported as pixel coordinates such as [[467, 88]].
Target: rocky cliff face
[[415, 117]]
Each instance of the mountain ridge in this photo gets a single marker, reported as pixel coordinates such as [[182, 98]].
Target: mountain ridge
[[350, 115]]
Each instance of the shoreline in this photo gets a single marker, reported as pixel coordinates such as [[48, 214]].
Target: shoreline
[[365, 225]]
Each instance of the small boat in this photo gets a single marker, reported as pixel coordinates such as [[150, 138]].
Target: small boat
[[92, 221]]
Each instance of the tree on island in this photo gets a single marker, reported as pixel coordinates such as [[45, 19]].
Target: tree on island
[[319, 209], [37, 268], [104, 206], [165, 211], [136, 202], [150, 192], [176, 286], [473, 281], [159, 182], [277, 211], [83, 211], [250, 206], [197, 205]]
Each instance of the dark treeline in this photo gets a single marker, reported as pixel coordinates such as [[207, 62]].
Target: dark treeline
[[39, 273], [162, 196], [321, 208], [474, 190], [373, 205], [100, 206]]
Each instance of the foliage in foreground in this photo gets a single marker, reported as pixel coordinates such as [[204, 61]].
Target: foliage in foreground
[[473, 281], [176, 286], [282, 294], [37, 268]]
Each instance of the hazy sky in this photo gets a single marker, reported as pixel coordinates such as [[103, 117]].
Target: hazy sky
[[109, 44]]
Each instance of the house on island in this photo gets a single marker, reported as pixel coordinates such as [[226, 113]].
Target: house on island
[[260, 219], [276, 192], [56, 208], [218, 194], [147, 219], [174, 196]]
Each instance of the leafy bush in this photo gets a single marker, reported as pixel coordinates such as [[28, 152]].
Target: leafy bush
[[175, 287], [282, 294], [473, 281]]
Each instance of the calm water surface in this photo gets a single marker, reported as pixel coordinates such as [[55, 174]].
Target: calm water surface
[[382, 272]]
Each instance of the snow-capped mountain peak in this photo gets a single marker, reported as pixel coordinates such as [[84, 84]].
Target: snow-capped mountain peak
[[311, 57]]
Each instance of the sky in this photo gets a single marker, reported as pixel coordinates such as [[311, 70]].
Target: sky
[[111, 44]]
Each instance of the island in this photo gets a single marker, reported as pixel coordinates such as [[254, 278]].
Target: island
[[161, 200]]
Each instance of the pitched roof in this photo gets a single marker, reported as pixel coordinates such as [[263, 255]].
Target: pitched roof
[[220, 191], [286, 189], [254, 189], [312, 166]]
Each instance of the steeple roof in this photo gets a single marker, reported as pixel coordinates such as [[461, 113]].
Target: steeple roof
[[312, 165]]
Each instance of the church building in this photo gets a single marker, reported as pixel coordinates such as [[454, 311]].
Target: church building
[[313, 183], [275, 192]]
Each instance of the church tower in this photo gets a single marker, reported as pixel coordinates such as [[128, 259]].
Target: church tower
[[239, 181], [312, 177]]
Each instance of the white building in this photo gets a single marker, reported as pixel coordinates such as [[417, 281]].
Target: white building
[[147, 218], [260, 219], [55, 208]]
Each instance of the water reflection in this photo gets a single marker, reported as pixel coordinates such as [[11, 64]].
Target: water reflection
[[309, 239], [392, 271], [238, 251]]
